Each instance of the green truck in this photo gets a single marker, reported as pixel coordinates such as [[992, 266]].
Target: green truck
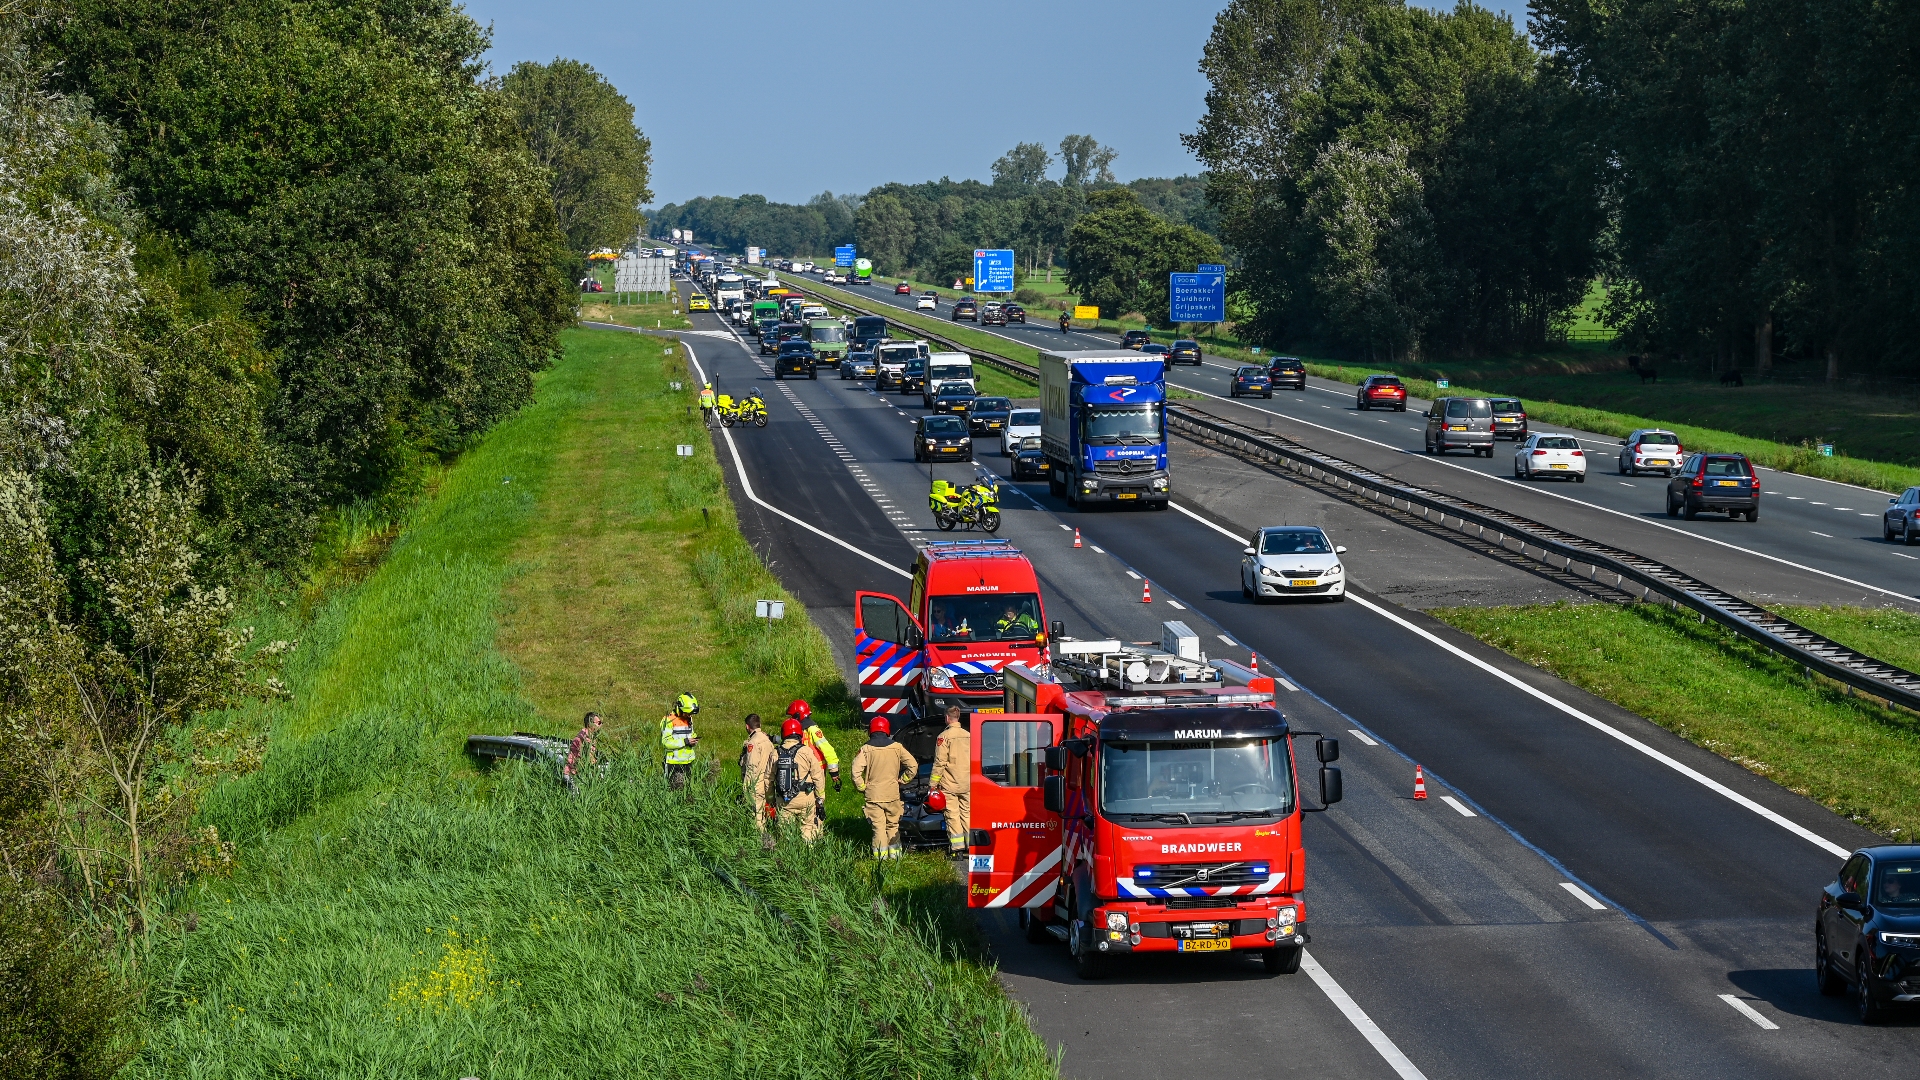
[[829, 337], [862, 272]]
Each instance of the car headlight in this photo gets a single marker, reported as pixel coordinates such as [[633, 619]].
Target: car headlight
[[1288, 916], [1089, 484], [1268, 571], [1116, 920], [1159, 483], [931, 442], [939, 679], [1911, 941]]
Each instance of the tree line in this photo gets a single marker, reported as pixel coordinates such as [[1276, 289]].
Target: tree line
[[264, 264]]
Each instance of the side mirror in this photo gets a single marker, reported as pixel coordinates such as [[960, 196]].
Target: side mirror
[[1895, 499], [1339, 549], [1332, 787], [1327, 750], [1053, 794], [1056, 757], [1246, 551], [1850, 901]]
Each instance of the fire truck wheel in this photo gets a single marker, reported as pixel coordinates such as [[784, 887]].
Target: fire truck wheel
[[1087, 961], [1282, 961]]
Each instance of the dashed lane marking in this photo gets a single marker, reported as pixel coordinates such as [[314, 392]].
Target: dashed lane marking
[[1750, 1013], [1130, 573], [1176, 605], [1583, 896], [1358, 734], [1458, 805]]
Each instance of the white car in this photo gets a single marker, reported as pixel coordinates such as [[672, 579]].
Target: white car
[[1021, 423], [1292, 560], [927, 302], [1651, 449], [1550, 455]]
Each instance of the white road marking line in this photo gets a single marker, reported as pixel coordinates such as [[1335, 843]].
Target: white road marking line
[[1069, 528], [1362, 736], [1130, 573], [1750, 1012], [1623, 483], [1816, 503], [1843, 508], [1904, 555], [1458, 805], [1228, 640], [1827, 535], [1866, 515], [1361, 1022], [1178, 606], [1292, 689], [1098, 548], [1583, 896]]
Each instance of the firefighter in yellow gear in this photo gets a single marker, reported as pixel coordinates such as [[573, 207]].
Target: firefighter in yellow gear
[[879, 769], [756, 761], [678, 739], [793, 783], [952, 770], [811, 734]]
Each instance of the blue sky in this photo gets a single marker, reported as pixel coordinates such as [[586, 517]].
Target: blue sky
[[793, 98]]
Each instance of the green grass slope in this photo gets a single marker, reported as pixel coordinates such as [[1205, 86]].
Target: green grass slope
[[399, 912]]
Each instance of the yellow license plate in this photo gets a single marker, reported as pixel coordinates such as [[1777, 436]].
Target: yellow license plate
[[1658, 461], [949, 449], [1304, 583], [1127, 495], [1728, 483], [1204, 945], [1559, 466], [995, 709]]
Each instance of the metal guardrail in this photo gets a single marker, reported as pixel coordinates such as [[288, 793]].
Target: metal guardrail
[[1633, 574], [1649, 578]]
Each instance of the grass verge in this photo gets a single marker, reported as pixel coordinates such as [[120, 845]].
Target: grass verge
[[654, 315], [1730, 696], [398, 912]]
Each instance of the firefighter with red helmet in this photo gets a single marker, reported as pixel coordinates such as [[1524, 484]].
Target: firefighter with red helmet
[[810, 732], [952, 766], [793, 782], [879, 769]]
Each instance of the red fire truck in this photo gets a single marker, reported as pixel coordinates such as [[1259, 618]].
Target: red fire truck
[[974, 609], [1133, 800]]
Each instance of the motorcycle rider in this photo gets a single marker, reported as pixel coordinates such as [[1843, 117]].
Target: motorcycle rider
[[952, 771], [879, 769], [793, 782], [678, 738], [1066, 320]]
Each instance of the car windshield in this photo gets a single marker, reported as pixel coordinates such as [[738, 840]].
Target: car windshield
[[828, 334], [1506, 405], [1136, 423], [1659, 438], [1295, 542], [1382, 382], [795, 347], [991, 404], [1252, 372], [1469, 407], [1186, 345], [1727, 467], [898, 354], [1155, 349], [1000, 617], [944, 425], [1031, 442], [1244, 777], [1557, 442], [949, 371], [953, 390], [1024, 418], [1898, 884]]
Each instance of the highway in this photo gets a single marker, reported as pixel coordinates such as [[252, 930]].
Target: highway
[[1816, 541], [1586, 895]]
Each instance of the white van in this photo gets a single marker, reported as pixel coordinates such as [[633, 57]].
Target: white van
[[948, 367]]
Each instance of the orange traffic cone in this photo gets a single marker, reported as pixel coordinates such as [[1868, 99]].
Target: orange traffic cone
[[1255, 663], [1146, 591], [1076, 538], [1419, 783]]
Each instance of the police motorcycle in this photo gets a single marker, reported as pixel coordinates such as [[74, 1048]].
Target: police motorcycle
[[977, 505], [750, 410]]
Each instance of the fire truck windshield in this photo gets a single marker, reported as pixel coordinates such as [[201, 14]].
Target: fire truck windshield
[[995, 617], [1176, 781]]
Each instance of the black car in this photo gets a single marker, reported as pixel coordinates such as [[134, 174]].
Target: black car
[[993, 314], [1184, 351], [953, 397], [1133, 339], [987, 415], [1029, 460], [1509, 418], [769, 336], [1014, 313], [965, 309], [913, 376], [1287, 371], [941, 438], [1724, 483], [867, 328], [1251, 380], [796, 359], [1866, 933]]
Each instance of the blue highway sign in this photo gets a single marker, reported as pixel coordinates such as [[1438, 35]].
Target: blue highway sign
[[1197, 298], [993, 270], [843, 256], [1210, 268]]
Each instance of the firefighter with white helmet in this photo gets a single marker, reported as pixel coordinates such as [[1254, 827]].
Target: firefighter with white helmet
[[678, 739], [793, 782], [879, 769]]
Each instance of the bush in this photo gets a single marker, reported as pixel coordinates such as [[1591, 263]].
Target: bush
[[62, 1013], [1030, 297]]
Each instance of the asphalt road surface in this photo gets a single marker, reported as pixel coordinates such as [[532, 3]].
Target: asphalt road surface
[[1585, 895]]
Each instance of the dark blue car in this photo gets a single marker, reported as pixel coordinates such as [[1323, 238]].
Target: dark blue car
[[1251, 379], [1866, 934]]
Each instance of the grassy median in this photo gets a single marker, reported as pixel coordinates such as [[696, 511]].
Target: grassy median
[[400, 911], [1733, 697]]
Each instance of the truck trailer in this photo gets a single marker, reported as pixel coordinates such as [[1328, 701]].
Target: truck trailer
[[1102, 427]]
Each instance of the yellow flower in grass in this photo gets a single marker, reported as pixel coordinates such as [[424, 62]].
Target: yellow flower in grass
[[459, 979]]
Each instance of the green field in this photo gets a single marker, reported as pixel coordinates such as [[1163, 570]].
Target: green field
[[1745, 703], [398, 911]]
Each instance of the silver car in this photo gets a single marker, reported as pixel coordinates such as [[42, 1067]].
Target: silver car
[[1021, 423], [1292, 560], [1650, 450], [1460, 423]]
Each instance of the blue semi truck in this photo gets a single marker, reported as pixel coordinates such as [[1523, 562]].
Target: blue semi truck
[[1103, 427]]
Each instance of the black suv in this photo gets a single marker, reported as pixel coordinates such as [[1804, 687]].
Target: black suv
[[769, 336], [987, 415], [1866, 931], [952, 397], [1133, 339], [1723, 483], [1184, 352], [941, 438], [1288, 371], [796, 359]]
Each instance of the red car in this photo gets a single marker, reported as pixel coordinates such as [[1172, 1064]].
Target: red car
[[1384, 391], [903, 289]]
